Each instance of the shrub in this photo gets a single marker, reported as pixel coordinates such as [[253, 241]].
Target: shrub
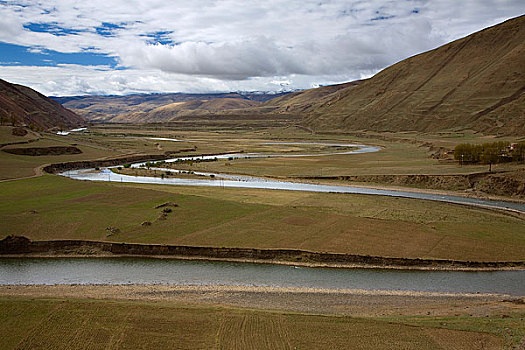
[[490, 153]]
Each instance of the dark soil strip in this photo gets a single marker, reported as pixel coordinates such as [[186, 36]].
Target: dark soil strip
[[43, 151], [18, 142], [13, 245]]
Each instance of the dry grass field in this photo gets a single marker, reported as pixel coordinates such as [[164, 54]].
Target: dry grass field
[[52, 207], [319, 222], [104, 324]]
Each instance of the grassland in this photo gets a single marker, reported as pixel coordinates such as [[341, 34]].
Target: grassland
[[51, 207], [102, 324], [93, 146], [343, 223], [6, 136]]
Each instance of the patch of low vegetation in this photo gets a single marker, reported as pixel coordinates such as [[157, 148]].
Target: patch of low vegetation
[[490, 153], [112, 231], [66, 323], [19, 131], [163, 174], [167, 204]]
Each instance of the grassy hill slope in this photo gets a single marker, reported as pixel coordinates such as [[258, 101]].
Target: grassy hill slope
[[26, 106], [477, 82]]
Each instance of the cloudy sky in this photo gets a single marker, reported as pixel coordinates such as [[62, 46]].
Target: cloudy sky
[[67, 47]]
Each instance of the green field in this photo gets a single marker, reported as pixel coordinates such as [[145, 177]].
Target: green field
[[47, 207], [6, 136], [95, 324], [52, 207]]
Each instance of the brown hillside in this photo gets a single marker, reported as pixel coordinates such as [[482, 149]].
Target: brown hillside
[[131, 108], [27, 106], [196, 107], [304, 100], [477, 82]]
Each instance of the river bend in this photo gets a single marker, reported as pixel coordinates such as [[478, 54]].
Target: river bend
[[243, 181]]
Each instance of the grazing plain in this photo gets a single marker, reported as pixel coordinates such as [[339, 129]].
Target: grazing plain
[[101, 324], [51, 207], [46, 207]]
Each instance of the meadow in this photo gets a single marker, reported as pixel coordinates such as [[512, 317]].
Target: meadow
[[30, 323], [46, 207], [53, 207]]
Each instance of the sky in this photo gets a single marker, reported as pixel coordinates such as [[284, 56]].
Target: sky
[[119, 47]]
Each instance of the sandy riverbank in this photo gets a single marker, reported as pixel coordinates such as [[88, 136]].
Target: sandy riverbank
[[321, 301]]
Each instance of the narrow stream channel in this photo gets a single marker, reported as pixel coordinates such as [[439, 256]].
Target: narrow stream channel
[[179, 272]]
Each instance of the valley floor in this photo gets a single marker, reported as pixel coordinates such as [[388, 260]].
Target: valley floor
[[48, 207], [188, 317]]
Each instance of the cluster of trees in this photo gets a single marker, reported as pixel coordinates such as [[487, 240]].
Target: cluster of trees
[[490, 153], [190, 161]]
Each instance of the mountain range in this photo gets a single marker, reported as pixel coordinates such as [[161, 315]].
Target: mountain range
[[475, 83], [141, 108]]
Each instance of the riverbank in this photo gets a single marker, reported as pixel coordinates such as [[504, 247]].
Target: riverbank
[[354, 302], [502, 185], [513, 192], [18, 246]]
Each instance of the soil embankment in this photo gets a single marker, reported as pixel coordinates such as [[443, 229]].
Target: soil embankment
[[43, 151], [18, 245], [83, 164], [510, 184]]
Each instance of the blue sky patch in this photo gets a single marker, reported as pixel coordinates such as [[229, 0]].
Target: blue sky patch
[[16, 55], [51, 28], [381, 18], [108, 29], [161, 37]]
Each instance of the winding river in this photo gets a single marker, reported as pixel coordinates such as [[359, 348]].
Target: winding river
[[113, 271], [15, 271], [242, 181]]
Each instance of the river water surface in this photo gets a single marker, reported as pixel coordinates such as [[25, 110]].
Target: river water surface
[[243, 181], [182, 272]]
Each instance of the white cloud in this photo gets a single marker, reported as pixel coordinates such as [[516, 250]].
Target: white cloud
[[70, 80], [232, 45]]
